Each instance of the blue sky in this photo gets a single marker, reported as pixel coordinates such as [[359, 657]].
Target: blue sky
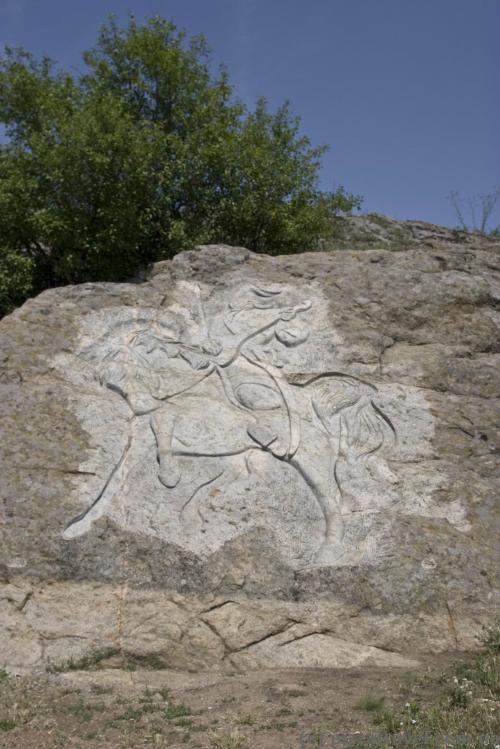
[[406, 92]]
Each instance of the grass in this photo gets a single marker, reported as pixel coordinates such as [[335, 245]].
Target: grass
[[177, 715], [176, 711], [135, 713], [101, 689], [92, 661], [371, 703], [468, 707], [491, 639], [6, 724], [284, 711], [150, 662], [83, 711], [3, 675], [277, 725], [86, 663], [315, 738], [165, 693], [427, 708], [184, 723], [233, 740], [246, 720]]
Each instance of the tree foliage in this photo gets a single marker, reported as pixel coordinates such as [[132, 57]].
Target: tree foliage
[[142, 155]]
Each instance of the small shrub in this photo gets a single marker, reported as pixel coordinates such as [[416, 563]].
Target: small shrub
[[6, 724], [459, 697], [371, 704], [479, 208]]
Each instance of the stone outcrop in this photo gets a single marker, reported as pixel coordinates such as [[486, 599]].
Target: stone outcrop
[[250, 461]]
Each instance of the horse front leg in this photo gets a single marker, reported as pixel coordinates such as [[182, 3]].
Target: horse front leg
[[163, 426], [319, 472], [332, 547]]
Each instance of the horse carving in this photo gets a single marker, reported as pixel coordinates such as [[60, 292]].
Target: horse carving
[[226, 396]]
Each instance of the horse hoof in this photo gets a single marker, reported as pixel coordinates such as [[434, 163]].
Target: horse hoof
[[328, 555], [170, 478]]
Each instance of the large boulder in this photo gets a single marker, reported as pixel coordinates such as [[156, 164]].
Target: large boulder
[[250, 461]]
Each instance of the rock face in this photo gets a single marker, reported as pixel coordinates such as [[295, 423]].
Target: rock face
[[251, 461]]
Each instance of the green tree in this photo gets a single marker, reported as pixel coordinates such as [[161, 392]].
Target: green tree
[[143, 155]]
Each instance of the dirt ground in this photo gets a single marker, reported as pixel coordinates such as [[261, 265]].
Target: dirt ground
[[294, 709]]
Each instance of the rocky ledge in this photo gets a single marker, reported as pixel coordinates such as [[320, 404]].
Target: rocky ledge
[[249, 461]]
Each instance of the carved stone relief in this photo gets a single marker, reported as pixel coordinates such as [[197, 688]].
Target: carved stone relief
[[213, 415]]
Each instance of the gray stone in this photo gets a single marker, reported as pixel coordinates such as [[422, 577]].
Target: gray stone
[[251, 461]]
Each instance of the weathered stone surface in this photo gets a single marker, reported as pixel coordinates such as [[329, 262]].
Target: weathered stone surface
[[251, 461]]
